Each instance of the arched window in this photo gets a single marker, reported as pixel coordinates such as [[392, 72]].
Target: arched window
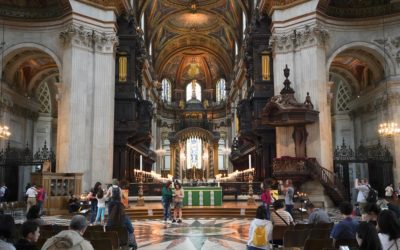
[[343, 97], [43, 96], [193, 89], [166, 90], [220, 90]]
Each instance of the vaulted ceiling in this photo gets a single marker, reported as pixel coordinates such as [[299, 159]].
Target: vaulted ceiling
[[193, 39]]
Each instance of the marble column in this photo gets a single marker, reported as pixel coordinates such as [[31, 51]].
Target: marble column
[[86, 108], [303, 50]]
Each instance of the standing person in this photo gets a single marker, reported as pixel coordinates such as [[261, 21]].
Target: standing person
[[3, 192], [363, 190], [289, 192], [316, 215], [389, 192], [371, 213], [30, 232], [31, 194], [389, 230], [101, 206], [367, 237], [115, 194], [166, 199], [70, 239], [7, 232], [93, 201], [178, 202], [267, 200], [260, 231], [40, 197]]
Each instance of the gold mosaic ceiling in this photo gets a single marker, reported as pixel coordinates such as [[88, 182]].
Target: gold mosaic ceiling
[[193, 39]]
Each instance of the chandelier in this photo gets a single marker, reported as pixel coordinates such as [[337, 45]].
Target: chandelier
[[387, 128], [4, 130]]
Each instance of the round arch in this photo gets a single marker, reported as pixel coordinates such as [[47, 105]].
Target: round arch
[[196, 132], [373, 49]]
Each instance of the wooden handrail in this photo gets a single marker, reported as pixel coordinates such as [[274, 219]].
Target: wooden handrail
[[327, 177]]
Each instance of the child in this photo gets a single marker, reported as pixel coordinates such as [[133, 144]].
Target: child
[[101, 206], [267, 200], [178, 202]]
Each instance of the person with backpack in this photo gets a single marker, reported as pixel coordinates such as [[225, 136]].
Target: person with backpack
[[260, 231], [114, 193]]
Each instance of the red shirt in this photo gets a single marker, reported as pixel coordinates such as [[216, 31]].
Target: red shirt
[[266, 197]]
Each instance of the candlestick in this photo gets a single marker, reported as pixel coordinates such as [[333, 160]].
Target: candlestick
[[141, 162], [249, 161]]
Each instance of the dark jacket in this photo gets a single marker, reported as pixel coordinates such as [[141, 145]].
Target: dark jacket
[[24, 244]]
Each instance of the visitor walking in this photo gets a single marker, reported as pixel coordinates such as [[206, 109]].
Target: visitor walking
[[389, 192], [93, 201], [362, 195], [166, 200], [267, 200], [178, 202], [31, 194], [260, 231], [41, 196], [101, 206], [289, 192]]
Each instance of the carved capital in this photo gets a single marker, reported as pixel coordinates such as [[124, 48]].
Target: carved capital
[[88, 38], [299, 38]]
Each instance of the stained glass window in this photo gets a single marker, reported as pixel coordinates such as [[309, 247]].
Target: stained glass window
[[166, 90], [196, 93], [220, 90], [193, 149]]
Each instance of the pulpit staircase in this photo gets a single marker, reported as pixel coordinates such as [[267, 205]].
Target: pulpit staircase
[[303, 169]]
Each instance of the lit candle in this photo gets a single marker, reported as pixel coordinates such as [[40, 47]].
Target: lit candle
[[249, 161], [141, 162]]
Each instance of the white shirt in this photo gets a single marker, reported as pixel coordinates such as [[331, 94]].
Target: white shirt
[[362, 193], [268, 231], [31, 193], [101, 202], [388, 244], [388, 191]]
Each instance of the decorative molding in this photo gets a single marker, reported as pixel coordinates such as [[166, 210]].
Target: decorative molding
[[88, 38], [298, 39], [269, 6], [392, 45], [364, 9]]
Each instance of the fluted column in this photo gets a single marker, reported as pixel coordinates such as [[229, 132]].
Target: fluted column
[[86, 106], [303, 50]]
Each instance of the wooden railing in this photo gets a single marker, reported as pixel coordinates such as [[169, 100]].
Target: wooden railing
[[327, 178]]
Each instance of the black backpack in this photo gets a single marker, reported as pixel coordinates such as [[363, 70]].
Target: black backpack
[[372, 196], [115, 195]]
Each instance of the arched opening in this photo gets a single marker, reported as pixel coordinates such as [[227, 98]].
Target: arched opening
[[193, 91]]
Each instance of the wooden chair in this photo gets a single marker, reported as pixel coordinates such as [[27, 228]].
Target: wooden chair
[[318, 244], [303, 226], [295, 238], [316, 233], [122, 234], [278, 232], [97, 228], [111, 235], [324, 225], [101, 244], [351, 243]]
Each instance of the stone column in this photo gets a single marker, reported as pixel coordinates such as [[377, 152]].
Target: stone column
[[215, 156], [86, 108], [303, 50], [394, 114]]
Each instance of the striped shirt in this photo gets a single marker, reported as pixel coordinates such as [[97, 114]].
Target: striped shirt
[[276, 220]]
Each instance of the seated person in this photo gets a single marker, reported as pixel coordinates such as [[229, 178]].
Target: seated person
[[73, 204], [316, 215], [260, 231], [34, 215], [117, 218], [370, 213], [347, 228], [30, 233], [280, 216]]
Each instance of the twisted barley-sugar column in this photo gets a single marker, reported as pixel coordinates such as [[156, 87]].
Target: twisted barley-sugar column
[[215, 155], [172, 160]]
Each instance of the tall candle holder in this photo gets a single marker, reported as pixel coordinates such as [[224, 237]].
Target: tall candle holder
[[140, 200], [251, 200]]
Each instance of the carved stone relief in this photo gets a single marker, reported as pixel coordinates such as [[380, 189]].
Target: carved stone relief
[[391, 45]]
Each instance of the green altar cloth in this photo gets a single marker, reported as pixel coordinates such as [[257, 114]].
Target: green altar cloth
[[202, 196]]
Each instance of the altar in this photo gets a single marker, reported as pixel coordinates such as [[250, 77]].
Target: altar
[[202, 196]]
